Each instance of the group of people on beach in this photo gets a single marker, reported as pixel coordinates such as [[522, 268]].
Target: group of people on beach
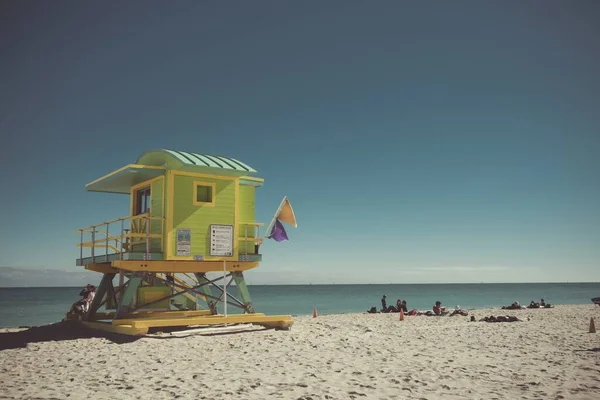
[[517, 306], [82, 305], [401, 306], [438, 310]]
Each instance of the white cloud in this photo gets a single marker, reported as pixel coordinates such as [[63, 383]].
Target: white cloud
[[41, 277]]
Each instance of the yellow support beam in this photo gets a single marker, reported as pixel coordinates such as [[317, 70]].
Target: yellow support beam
[[122, 329], [272, 321], [164, 316], [182, 266], [104, 268], [151, 314], [190, 313], [251, 239]]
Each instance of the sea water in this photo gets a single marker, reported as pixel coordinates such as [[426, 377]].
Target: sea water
[[39, 306]]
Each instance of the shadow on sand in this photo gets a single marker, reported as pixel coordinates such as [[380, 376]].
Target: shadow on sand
[[595, 350], [65, 330]]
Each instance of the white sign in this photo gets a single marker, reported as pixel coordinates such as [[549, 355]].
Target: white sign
[[184, 242], [221, 240]]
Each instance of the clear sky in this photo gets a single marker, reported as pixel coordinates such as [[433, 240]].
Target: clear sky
[[417, 142]]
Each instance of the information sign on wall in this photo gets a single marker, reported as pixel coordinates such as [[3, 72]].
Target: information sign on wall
[[184, 242], [221, 240]]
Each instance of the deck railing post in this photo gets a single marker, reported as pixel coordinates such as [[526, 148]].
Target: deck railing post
[[162, 235], [246, 241], [257, 244], [81, 246], [122, 230], [147, 238], [93, 245], [106, 248]]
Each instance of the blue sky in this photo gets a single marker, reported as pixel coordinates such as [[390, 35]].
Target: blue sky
[[417, 142]]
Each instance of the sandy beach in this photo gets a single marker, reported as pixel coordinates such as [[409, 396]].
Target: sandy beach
[[548, 355]]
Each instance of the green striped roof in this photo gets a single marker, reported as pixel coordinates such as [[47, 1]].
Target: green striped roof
[[175, 159]]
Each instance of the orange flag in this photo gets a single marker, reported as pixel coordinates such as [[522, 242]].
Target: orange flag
[[286, 213]]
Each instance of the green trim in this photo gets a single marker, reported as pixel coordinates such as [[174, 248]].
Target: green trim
[[250, 182], [240, 283], [250, 257], [205, 289], [130, 293], [184, 160], [122, 181]]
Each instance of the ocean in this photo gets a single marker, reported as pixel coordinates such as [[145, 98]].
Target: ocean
[[40, 306]]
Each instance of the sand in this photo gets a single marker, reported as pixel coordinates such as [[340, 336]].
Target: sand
[[371, 356]]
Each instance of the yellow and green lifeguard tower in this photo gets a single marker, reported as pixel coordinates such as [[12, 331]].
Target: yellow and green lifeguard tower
[[191, 215]]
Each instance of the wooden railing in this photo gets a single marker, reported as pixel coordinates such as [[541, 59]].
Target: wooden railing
[[250, 236], [118, 237]]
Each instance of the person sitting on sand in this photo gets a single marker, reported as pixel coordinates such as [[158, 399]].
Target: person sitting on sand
[[533, 304], [398, 305], [404, 306], [91, 293], [79, 307], [543, 304], [84, 292], [513, 306], [438, 309], [458, 311]]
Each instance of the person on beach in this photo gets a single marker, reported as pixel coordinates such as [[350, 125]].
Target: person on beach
[[513, 306], [533, 304], [384, 304], [84, 292], [543, 304], [91, 293], [81, 305], [458, 311], [438, 309]]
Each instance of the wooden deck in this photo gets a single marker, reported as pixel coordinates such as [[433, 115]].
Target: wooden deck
[[100, 259], [81, 262]]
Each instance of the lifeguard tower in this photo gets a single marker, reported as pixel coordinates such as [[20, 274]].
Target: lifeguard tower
[[190, 215]]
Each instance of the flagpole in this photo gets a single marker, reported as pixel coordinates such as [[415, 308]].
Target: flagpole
[[266, 232]]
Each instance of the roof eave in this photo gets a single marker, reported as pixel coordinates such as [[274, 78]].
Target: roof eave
[[121, 180]]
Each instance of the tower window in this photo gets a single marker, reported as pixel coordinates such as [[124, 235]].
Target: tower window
[[204, 194]]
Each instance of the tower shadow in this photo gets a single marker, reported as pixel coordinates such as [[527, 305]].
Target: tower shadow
[[60, 331]]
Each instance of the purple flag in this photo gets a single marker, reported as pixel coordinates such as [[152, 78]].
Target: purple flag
[[278, 232]]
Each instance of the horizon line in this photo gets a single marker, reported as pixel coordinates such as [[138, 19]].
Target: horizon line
[[348, 284]]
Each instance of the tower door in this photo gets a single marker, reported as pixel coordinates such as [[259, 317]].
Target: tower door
[[141, 205], [142, 201], [147, 201]]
